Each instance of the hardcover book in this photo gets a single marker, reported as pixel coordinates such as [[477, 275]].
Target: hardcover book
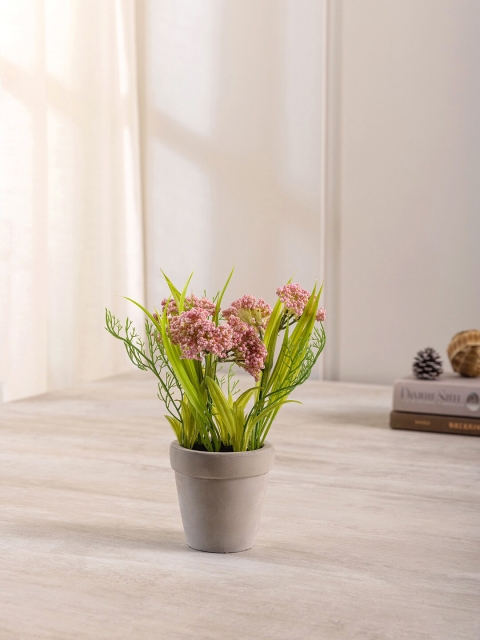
[[434, 422], [449, 395]]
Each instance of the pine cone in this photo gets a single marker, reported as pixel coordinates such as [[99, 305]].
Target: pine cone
[[427, 364]]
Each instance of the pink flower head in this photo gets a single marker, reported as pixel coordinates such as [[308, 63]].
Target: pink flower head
[[321, 315], [238, 328], [294, 298], [250, 310], [171, 305], [250, 351], [196, 335], [191, 302]]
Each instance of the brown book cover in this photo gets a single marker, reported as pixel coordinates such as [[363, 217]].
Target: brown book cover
[[434, 422]]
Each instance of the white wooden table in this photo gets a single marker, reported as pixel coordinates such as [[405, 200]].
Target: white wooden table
[[367, 533]]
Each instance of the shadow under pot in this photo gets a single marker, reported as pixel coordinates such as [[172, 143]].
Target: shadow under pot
[[221, 495]]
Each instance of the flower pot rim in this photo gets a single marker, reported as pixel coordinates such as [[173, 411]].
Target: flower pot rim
[[222, 465], [266, 445]]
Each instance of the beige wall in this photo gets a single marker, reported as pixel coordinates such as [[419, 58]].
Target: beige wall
[[404, 181], [232, 112], [232, 123]]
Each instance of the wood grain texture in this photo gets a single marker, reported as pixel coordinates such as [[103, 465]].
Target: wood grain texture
[[368, 533]]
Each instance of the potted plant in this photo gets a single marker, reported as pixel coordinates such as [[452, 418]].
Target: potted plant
[[221, 457]]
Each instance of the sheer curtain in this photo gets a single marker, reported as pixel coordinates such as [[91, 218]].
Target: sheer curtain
[[70, 212]]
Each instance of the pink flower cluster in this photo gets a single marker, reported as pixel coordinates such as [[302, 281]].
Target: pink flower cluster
[[191, 302], [294, 297], [253, 352], [246, 317], [250, 352], [251, 310], [200, 303], [240, 337], [196, 335]]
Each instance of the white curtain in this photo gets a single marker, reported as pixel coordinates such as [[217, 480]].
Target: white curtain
[[70, 211]]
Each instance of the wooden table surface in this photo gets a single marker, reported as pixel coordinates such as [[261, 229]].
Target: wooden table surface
[[367, 534]]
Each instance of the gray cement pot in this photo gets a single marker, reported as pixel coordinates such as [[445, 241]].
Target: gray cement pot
[[221, 496]]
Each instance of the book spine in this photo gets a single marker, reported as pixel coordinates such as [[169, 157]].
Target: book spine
[[433, 422], [436, 398]]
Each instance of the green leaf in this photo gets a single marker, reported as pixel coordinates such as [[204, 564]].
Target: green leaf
[[220, 298], [178, 366], [221, 404], [176, 426], [242, 400], [280, 402], [181, 304], [173, 289]]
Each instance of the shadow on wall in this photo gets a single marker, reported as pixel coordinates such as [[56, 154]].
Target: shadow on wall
[[232, 125]]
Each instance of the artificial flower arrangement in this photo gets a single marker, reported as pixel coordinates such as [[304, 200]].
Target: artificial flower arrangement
[[188, 342], [221, 457]]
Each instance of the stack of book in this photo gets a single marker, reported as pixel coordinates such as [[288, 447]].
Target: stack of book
[[450, 404]]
